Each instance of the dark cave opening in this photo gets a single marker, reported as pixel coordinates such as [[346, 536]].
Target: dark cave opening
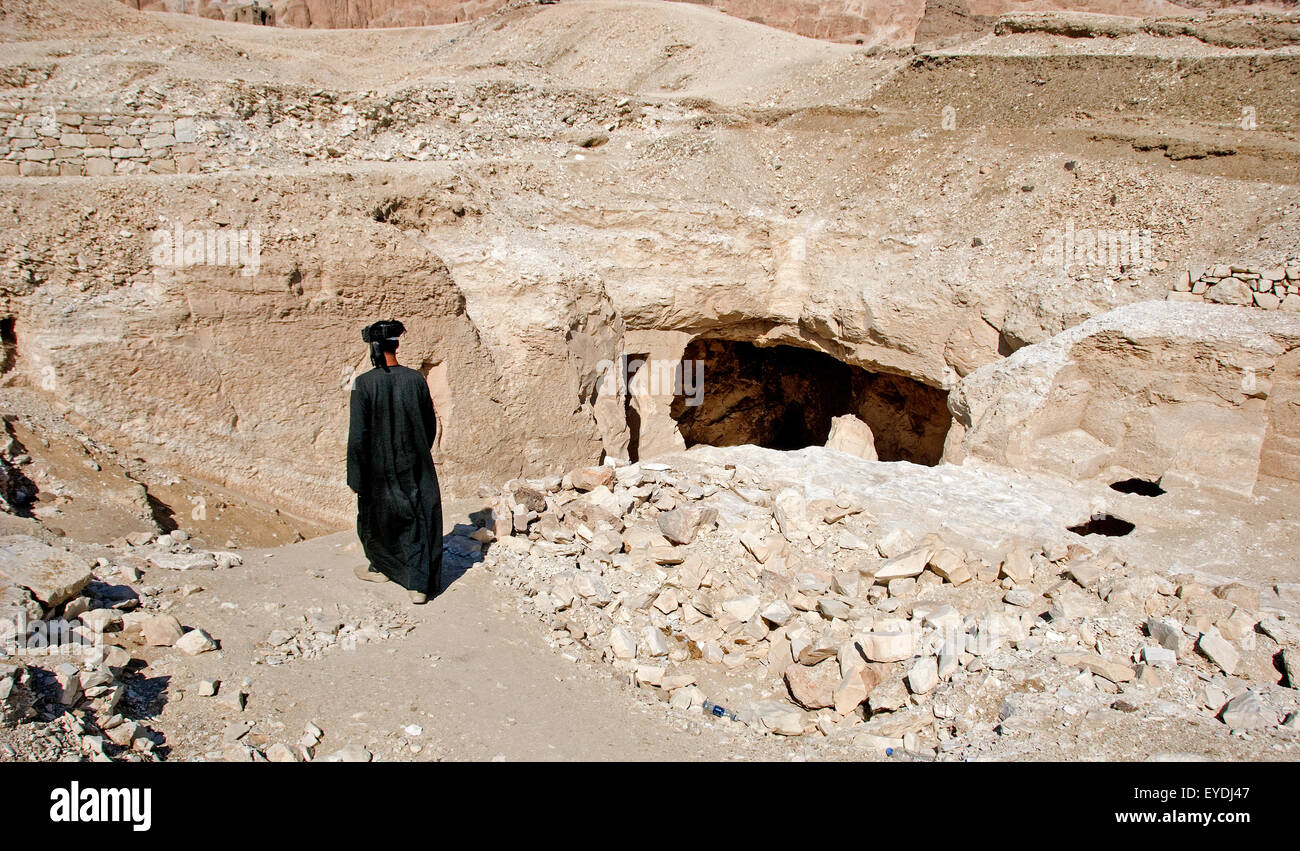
[[783, 397]]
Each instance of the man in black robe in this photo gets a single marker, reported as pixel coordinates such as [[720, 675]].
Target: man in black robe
[[390, 435]]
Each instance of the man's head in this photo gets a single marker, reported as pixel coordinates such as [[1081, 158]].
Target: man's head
[[382, 337]]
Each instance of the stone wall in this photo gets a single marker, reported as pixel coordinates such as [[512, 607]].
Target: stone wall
[[254, 13], [1270, 288], [50, 143]]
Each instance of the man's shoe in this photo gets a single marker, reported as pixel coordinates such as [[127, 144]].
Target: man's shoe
[[419, 598], [366, 574]]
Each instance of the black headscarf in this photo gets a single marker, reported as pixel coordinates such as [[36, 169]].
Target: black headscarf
[[376, 334]]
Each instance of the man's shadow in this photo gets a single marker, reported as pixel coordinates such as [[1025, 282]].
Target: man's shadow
[[460, 552]]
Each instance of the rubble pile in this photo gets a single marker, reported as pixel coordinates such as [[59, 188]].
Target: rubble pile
[[256, 125], [243, 742], [800, 615], [80, 634], [170, 551], [426, 123], [71, 636], [316, 633]]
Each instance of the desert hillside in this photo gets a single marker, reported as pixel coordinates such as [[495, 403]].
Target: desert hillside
[[887, 22], [936, 395]]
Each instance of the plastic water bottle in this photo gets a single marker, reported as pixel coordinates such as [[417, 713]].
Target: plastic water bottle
[[711, 708]]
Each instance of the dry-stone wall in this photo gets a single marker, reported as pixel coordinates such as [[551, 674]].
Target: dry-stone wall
[[49, 143], [1271, 288]]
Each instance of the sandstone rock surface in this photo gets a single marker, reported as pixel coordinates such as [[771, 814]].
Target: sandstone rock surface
[[51, 575], [1215, 412]]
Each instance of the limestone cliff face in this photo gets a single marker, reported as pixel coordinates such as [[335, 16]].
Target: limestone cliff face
[[381, 13], [887, 22], [868, 21], [550, 192], [1194, 393], [245, 378]]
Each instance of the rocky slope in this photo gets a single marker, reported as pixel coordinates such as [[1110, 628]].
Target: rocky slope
[[810, 596], [1188, 394], [886, 22], [966, 263], [742, 188]]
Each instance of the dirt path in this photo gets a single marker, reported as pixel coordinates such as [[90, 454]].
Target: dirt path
[[477, 676]]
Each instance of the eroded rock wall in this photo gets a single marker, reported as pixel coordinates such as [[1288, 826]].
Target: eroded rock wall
[[381, 13], [1184, 393], [246, 377], [533, 221]]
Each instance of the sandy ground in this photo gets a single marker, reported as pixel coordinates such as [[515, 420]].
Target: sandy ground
[[475, 676]]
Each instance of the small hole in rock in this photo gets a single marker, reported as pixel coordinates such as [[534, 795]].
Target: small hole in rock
[[1141, 487], [1103, 524], [8, 344]]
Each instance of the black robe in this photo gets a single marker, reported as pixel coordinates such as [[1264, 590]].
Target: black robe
[[399, 508]]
